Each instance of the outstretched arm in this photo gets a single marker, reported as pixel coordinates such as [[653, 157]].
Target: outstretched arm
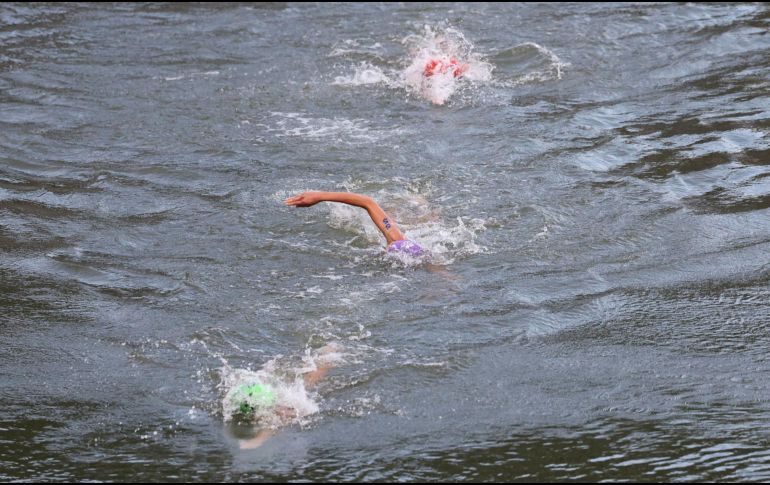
[[380, 218]]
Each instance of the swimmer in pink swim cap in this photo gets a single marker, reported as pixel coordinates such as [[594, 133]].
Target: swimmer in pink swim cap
[[395, 239]]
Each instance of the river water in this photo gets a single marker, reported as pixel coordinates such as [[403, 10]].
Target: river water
[[594, 193]]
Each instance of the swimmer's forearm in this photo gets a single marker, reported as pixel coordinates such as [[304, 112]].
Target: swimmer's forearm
[[349, 198]]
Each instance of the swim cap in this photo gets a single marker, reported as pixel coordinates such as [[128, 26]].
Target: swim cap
[[441, 66], [250, 397]]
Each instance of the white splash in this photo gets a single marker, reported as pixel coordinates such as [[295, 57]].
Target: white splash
[[365, 73], [452, 53], [341, 130], [356, 221], [446, 241], [190, 75], [352, 47]]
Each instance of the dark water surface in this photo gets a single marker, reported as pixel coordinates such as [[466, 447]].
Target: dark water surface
[[597, 208]]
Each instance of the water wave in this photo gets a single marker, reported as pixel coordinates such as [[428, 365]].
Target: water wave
[[527, 63]]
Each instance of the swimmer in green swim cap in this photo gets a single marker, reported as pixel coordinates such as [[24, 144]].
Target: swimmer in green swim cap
[[258, 401], [251, 397]]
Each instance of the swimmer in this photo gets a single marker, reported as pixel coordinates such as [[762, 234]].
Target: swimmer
[[395, 240], [261, 399], [435, 77]]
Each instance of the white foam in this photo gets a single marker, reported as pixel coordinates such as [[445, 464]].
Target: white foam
[[191, 75], [446, 241], [355, 220], [300, 125], [365, 73], [351, 47]]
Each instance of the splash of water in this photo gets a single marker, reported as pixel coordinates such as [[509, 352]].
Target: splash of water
[[447, 47], [355, 220], [365, 73], [447, 241]]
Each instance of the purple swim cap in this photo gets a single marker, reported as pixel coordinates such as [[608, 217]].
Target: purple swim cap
[[406, 246]]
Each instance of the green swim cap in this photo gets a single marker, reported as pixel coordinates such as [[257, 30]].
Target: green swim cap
[[249, 397]]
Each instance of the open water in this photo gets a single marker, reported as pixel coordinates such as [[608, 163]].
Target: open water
[[594, 191]]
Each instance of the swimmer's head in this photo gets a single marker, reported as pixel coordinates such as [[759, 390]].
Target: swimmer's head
[[253, 398]]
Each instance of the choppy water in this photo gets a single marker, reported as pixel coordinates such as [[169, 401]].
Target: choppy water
[[595, 193]]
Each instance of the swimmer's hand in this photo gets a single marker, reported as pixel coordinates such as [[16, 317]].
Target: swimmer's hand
[[305, 199]]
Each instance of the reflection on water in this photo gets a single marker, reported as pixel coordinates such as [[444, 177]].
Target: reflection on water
[[594, 191]]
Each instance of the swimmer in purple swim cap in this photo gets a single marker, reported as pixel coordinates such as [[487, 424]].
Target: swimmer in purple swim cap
[[396, 241]]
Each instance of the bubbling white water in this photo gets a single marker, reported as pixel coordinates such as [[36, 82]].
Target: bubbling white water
[[365, 73]]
